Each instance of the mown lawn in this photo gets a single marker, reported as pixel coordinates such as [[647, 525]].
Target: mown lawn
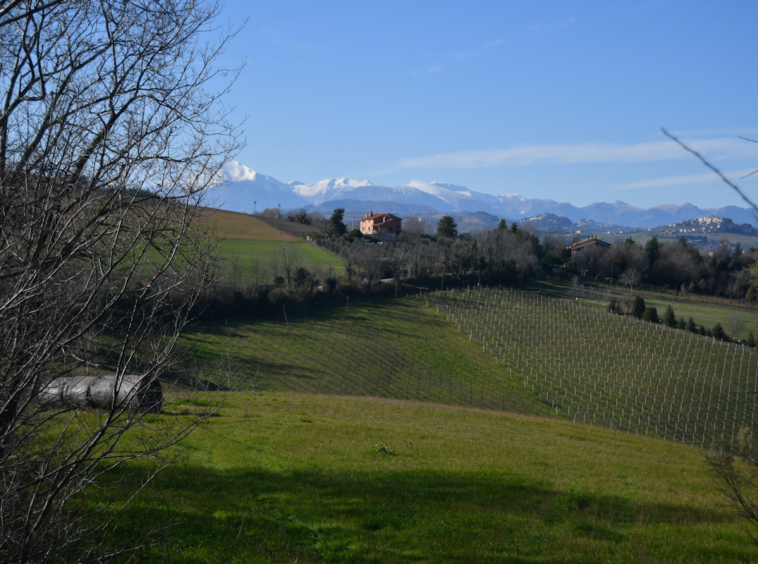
[[286, 477]]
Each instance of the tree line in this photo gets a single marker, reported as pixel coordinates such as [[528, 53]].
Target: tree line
[[438, 256]]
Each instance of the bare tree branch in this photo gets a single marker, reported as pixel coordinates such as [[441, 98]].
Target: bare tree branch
[[702, 159], [109, 137]]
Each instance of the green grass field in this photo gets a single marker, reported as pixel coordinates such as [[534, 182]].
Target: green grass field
[[252, 242], [248, 252], [285, 477], [708, 315]]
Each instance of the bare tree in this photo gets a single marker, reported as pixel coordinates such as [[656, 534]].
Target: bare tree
[[397, 261], [630, 278], [576, 286], [292, 259], [735, 323], [108, 138], [735, 471]]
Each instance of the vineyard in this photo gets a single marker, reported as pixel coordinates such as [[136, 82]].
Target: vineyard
[[503, 350], [617, 372], [384, 348]]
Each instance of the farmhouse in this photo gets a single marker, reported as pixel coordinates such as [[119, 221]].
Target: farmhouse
[[383, 225], [590, 241]]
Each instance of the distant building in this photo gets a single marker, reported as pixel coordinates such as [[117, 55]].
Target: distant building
[[385, 226], [590, 241]]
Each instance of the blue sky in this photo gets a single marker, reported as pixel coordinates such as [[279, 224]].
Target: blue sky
[[547, 99]]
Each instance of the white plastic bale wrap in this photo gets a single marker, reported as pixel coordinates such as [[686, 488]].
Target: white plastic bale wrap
[[135, 393]]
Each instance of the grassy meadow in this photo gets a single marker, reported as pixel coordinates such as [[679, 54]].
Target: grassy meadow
[[248, 252], [251, 243], [288, 477], [709, 314]]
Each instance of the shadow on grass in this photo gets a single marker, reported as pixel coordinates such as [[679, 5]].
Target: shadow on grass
[[415, 516]]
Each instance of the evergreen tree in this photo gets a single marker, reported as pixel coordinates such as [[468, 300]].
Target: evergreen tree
[[682, 323], [702, 330], [446, 227], [691, 327], [751, 340], [650, 315], [669, 318], [502, 225], [336, 226], [653, 248], [718, 332], [638, 308]]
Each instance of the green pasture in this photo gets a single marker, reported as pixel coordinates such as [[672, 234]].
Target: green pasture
[[286, 477], [247, 252], [708, 315]]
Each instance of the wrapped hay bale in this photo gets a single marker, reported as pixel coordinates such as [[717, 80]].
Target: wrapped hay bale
[[132, 391]]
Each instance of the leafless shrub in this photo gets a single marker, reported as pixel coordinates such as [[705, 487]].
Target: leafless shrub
[[735, 472], [735, 323]]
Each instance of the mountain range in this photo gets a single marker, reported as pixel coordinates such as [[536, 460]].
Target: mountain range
[[246, 190]]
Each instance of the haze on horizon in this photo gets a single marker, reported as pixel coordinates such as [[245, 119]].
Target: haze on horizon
[[560, 100]]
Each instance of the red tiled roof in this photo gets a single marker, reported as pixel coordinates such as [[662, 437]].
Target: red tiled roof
[[378, 215], [589, 241]]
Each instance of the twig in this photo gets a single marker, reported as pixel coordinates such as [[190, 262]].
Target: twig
[[713, 168]]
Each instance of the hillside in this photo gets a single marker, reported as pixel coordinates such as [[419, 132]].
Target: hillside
[[502, 350], [336, 460], [377, 347], [283, 477], [252, 243]]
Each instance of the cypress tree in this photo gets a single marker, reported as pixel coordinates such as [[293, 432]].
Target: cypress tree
[[638, 308], [691, 327], [751, 340], [650, 315], [669, 318], [718, 332]]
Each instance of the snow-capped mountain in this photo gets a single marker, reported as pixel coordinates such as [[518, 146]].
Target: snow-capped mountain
[[245, 190], [243, 186], [330, 189]]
